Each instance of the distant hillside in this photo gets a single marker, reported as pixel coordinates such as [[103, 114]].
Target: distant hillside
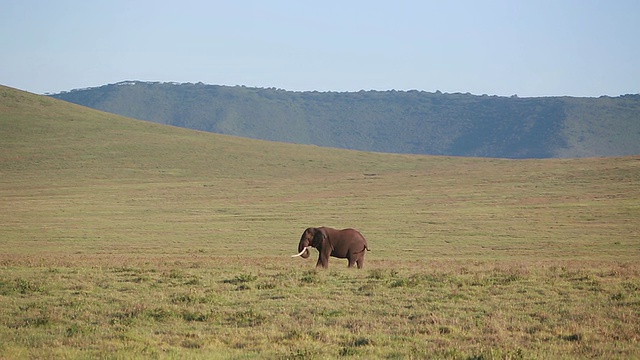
[[63, 143], [386, 121]]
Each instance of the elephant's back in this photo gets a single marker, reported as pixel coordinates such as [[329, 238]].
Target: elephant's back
[[353, 233]]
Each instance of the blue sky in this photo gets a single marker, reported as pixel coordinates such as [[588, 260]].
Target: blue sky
[[529, 48]]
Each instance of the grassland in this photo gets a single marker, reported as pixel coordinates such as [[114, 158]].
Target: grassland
[[127, 239]]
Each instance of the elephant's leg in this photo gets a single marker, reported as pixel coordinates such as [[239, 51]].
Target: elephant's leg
[[322, 262], [360, 262], [352, 258]]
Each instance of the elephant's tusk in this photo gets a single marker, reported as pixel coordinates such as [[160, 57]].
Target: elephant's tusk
[[302, 252]]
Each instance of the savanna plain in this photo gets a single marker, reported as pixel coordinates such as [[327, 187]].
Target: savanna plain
[[127, 239]]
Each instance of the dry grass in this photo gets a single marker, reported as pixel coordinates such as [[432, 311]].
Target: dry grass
[[204, 307]]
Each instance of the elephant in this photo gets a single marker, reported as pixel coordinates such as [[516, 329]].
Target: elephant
[[344, 244]]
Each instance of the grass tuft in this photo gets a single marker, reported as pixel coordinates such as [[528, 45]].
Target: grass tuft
[[241, 279]]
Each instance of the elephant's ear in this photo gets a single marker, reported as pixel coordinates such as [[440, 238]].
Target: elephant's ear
[[321, 241], [318, 239]]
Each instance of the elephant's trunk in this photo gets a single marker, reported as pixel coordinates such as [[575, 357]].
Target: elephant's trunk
[[304, 253]]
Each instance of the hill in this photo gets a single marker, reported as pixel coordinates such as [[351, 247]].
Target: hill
[[56, 145], [130, 239], [412, 122]]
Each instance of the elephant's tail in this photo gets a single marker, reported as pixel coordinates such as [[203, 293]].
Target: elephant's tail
[[366, 248]]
